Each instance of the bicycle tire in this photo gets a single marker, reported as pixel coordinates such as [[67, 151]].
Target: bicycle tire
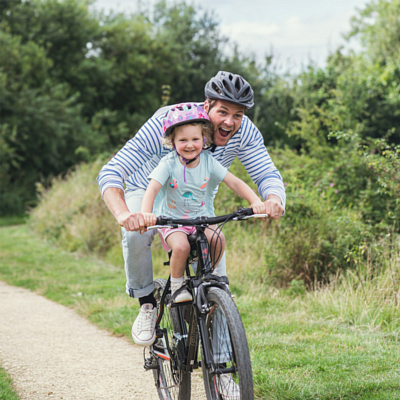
[[224, 355], [165, 376]]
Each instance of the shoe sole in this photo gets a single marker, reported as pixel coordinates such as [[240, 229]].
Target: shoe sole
[[143, 342]]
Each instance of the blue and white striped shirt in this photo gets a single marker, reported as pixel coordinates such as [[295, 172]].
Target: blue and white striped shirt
[[141, 154]]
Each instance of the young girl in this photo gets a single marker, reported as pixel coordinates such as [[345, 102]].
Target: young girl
[[187, 179]]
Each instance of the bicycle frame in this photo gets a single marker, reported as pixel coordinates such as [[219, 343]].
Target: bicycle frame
[[198, 307]]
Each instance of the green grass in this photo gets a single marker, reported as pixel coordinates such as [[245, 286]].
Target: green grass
[[13, 220], [327, 344], [298, 354], [7, 391]]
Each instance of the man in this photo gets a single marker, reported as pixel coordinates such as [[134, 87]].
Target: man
[[228, 96]]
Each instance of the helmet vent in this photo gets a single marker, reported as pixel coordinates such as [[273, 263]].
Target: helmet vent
[[227, 86], [216, 88], [246, 92], [238, 84]]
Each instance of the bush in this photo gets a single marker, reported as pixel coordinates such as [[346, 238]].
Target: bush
[[73, 214], [11, 203], [313, 241]]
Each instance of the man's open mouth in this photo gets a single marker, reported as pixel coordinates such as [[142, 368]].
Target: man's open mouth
[[224, 132]]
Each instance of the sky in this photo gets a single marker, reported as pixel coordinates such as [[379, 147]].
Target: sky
[[296, 31]]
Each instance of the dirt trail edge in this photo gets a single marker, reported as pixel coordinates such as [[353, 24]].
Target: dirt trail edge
[[53, 353]]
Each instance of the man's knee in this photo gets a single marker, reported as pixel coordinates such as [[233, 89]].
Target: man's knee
[[135, 240]]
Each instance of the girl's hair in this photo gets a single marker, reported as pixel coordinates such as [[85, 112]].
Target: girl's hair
[[206, 130]]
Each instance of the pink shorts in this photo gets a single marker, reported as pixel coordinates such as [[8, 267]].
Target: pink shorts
[[165, 232]]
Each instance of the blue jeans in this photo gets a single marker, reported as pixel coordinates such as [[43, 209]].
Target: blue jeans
[[136, 250]]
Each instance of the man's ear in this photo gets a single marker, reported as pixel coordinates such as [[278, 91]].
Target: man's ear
[[206, 106]]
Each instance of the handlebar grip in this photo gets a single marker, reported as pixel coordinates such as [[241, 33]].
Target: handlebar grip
[[247, 211], [162, 220], [159, 220]]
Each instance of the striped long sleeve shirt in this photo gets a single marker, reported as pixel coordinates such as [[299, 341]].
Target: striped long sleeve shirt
[[141, 154]]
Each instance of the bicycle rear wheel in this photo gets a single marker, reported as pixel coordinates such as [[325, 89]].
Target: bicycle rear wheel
[[230, 375], [171, 384]]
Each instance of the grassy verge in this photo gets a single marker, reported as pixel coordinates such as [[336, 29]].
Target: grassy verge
[[7, 391], [327, 344], [13, 220]]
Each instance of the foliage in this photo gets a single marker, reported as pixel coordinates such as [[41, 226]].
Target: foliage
[[386, 165], [40, 123], [355, 92], [76, 83], [74, 214]]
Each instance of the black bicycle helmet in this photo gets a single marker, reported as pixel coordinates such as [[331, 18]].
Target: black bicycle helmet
[[230, 87]]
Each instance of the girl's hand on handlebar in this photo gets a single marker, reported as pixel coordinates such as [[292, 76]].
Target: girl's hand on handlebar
[[258, 207], [149, 220]]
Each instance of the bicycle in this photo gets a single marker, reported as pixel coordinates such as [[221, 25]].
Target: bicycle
[[211, 318]]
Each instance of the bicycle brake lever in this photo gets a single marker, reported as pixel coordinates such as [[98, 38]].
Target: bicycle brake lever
[[252, 216], [149, 228]]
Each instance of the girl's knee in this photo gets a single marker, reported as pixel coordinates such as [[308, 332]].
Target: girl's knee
[[182, 248]]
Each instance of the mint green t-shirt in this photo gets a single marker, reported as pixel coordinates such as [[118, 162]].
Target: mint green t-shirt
[[193, 198]]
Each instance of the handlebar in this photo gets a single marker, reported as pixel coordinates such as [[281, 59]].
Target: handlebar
[[242, 213]]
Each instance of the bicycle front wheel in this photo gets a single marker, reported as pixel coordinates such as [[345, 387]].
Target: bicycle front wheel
[[229, 376], [172, 384]]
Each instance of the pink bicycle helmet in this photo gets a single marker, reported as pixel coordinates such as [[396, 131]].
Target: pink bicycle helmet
[[182, 114]]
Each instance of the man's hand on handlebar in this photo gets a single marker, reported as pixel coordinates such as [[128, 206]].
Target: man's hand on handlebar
[[131, 221], [273, 207]]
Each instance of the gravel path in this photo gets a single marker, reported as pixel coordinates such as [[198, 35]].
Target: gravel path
[[53, 353]]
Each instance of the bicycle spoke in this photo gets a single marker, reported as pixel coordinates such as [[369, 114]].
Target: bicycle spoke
[[173, 384], [230, 373]]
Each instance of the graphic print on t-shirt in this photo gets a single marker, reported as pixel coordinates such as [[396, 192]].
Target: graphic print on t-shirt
[[172, 205], [203, 186], [188, 198], [173, 184]]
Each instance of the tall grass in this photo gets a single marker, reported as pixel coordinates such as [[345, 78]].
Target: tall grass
[[73, 214], [367, 297]]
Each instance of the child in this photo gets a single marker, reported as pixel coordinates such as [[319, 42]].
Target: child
[[188, 178]]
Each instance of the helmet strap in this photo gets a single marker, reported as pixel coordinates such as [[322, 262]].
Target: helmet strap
[[186, 161]]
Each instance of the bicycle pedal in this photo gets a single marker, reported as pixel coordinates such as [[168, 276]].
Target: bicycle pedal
[[150, 363]]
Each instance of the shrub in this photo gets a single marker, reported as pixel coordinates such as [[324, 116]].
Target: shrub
[[73, 214]]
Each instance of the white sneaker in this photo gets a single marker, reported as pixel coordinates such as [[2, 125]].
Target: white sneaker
[[183, 296], [143, 329], [227, 387]]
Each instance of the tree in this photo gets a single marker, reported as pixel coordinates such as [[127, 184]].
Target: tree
[[40, 121]]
